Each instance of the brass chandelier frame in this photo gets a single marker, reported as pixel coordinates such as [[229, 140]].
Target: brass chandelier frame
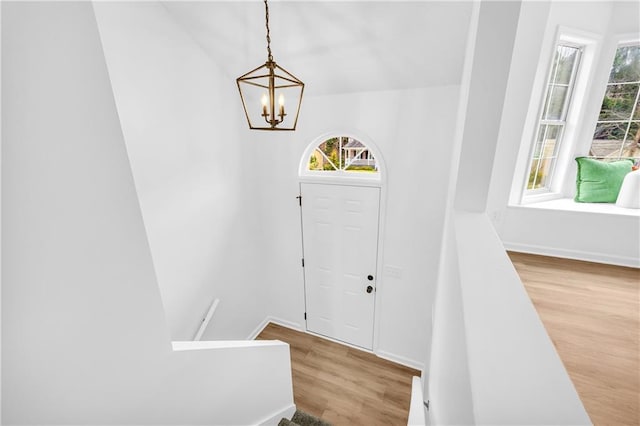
[[273, 78]]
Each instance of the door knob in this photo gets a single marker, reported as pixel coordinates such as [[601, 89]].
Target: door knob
[[369, 288], [370, 277]]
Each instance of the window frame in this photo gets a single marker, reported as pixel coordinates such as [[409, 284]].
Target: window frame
[[590, 45], [339, 175], [561, 122]]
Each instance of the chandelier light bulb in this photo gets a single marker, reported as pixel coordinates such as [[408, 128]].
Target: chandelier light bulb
[[281, 103], [265, 100]]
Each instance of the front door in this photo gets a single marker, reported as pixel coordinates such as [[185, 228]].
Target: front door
[[340, 243]]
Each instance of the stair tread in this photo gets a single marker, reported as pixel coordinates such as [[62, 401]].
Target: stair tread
[[303, 419], [300, 418]]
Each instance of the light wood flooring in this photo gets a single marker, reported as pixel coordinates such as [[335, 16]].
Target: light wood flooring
[[342, 385], [591, 312]]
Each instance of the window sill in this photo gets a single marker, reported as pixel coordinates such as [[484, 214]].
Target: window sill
[[567, 204], [539, 197]]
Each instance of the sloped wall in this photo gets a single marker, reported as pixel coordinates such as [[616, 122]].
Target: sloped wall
[[194, 174], [77, 265], [84, 336]]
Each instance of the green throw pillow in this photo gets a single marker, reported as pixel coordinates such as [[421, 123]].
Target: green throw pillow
[[600, 181]]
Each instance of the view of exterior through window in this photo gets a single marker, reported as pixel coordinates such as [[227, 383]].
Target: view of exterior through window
[[617, 133], [343, 153], [553, 116]]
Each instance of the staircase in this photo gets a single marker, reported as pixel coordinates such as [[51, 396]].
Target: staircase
[[300, 418]]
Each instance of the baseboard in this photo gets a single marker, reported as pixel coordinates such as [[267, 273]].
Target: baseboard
[[276, 417], [298, 327], [258, 329], [267, 320], [289, 324], [573, 254], [400, 360]]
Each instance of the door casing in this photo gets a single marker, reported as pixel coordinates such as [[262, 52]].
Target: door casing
[[379, 293]]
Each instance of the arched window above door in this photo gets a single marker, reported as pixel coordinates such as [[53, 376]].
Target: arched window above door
[[343, 155]]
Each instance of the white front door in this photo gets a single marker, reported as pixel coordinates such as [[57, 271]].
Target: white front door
[[340, 243]]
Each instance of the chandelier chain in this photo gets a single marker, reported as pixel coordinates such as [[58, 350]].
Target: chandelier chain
[[266, 17]]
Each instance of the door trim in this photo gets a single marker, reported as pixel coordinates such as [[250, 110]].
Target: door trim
[[354, 181]]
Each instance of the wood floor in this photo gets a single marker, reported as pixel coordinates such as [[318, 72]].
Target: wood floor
[[342, 385], [591, 312]]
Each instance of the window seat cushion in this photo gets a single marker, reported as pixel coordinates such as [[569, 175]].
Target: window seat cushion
[[599, 181]]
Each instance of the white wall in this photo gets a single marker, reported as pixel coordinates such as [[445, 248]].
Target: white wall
[[445, 378], [193, 172], [84, 336], [514, 368], [448, 388], [581, 235], [413, 130], [491, 64]]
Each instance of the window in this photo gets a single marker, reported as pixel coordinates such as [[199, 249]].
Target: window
[[553, 116], [617, 133], [342, 154]]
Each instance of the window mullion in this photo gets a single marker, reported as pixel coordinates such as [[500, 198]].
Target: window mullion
[[567, 99], [624, 139], [547, 103], [540, 156]]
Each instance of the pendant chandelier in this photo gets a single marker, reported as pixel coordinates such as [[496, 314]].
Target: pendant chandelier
[[264, 90]]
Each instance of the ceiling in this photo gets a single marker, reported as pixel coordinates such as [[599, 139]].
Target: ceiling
[[335, 46]]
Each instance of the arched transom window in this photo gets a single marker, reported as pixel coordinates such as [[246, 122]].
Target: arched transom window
[[342, 154]]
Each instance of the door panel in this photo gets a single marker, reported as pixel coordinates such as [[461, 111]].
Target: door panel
[[340, 242]]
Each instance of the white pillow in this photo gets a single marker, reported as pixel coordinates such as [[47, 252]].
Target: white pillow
[[629, 195]]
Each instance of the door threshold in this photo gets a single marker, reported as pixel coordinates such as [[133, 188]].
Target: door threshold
[[340, 342]]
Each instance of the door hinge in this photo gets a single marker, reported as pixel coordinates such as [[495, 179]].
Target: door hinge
[[299, 197], [305, 315], [303, 262]]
